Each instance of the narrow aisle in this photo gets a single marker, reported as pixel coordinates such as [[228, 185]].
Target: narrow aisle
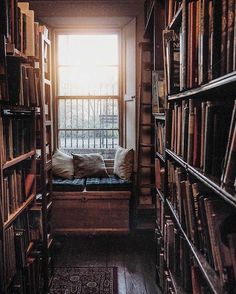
[[133, 255]]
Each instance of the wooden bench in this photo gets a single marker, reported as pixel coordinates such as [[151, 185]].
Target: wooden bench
[[90, 212]]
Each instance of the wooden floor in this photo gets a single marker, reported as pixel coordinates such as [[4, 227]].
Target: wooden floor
[[134, 255]]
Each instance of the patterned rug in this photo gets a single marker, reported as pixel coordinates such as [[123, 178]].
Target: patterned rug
[[84, 280]]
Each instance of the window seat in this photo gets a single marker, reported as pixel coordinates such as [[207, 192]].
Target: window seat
[[90, 206], [62, 185]]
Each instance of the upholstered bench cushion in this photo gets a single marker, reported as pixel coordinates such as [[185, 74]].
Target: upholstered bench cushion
[[113, 183], [66, 185]]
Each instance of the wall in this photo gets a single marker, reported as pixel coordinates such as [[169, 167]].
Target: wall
[[97, 14]]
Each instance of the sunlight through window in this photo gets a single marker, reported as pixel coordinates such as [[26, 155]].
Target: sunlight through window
[[88, 90]]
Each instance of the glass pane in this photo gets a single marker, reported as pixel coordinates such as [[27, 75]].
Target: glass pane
[[68, 113], [61, 114], [88, 81], [86, 50], [88, 124]]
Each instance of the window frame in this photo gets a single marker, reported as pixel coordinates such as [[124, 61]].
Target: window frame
[[87, 31]]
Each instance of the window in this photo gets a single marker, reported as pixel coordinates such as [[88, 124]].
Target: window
[[88, 93]]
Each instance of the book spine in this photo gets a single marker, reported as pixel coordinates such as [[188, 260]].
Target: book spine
[[230, 34], [224, 25], [234, 42], [208, 138], [190, 132]]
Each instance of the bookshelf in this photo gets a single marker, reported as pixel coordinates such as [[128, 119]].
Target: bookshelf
[[44, 149], [151, 67], [25, 243], [195, 174]]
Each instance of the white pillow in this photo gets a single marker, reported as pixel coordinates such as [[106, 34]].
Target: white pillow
[[124, 162], [62, 165]]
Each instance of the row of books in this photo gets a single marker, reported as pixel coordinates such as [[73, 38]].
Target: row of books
[[16, 137], [10, 254], [173, 259], [158, 91], [208, 221], [29, 280], [160, 138], [172, 7], [211, 42], [18, 185], [177, 270], [35, 221], [172, 56], [18, 24], [198, 137], [159, 206], [206, 50], [23, 258], [23, 82]]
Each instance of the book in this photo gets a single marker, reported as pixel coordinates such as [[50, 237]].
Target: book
[[228, 175], [208, 140], [158, 94], [28, 31], [191, 120], [185, 122], [230, 35], [224, 26]]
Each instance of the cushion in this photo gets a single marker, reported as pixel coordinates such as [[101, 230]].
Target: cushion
[[62, 165], [112, 183], [124, 161], [89, 165], [61, 185]]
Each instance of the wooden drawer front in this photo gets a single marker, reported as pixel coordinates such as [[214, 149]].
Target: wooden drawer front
[[90, 215]]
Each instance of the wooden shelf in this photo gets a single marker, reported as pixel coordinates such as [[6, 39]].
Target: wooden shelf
[[46, 40], [214, 186], [209, 274], [17, 110], [147, 165], [160, 156], [49, 206], [11, 50], [47, 82], [225, 83], [19, 211], [160, 195], [176, 19], [48, 123], [159, 116], [49, 243], [145, 145], [18, 159]]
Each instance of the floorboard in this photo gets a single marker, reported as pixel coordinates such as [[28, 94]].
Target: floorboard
[[133, 255]]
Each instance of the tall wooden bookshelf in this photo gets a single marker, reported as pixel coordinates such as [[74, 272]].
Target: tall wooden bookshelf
[[195, 176], [151, 67], [145, 146], [44, 145], [24, 254]]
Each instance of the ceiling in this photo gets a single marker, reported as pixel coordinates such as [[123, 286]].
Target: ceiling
[[90, 13]]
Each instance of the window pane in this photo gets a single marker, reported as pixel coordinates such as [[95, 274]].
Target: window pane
[[88, 81], [85, 50], [88, 124]]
